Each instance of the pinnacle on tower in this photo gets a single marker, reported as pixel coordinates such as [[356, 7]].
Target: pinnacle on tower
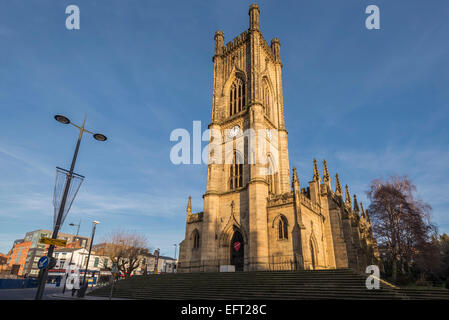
[[316, 173], [254, 13], [219, 39], [295, 178], [356, 205], [338, 190], [348, 200], [367, 216], [276, 47], [326, 177], [189, 206], [362, 210]]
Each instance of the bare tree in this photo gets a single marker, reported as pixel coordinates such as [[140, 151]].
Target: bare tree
[[401, 223], [429, 260], [127, 249], [444, 245]]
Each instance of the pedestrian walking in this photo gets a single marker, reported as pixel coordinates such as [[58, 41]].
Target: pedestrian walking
[[76, 286]]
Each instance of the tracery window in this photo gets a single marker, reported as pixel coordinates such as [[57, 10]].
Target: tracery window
[[196, 239], [282, 228], [237, 97], [236, 172]]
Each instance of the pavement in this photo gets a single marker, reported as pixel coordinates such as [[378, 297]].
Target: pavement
[[68, 296], [28, 293], [51, 293]]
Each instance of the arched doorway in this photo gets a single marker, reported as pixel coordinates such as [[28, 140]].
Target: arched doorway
[[237, 251]]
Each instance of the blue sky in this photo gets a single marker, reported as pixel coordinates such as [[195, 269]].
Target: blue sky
[[373, 103]]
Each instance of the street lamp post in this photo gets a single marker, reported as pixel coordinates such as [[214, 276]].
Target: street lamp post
[[57, 226], [71, 256], [82, 290]]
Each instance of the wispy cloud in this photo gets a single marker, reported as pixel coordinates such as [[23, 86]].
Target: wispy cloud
[[427, 168], [19, 206], [145, 204], [24, 157]]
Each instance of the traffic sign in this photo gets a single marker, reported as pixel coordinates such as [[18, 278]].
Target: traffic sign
[[55, 242], [52, 263], [43, 262], [46, 262]]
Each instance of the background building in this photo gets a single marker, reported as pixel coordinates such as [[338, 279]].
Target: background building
[[164, 264], [3, 263], [26, 252], [78, 259], [146, 263], [17, 256]]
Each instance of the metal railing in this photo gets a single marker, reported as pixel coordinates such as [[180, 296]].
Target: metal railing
[[269, 263]]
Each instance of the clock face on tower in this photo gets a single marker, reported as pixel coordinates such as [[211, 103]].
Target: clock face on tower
[[234, 131]]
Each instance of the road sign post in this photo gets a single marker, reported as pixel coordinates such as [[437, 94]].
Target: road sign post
[[55, 242]]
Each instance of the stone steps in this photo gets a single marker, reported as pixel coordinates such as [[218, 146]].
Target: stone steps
[[213, 295], [259, 294], [285, 285]]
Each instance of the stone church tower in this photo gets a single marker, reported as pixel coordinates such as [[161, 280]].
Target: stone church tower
[[256, 216]]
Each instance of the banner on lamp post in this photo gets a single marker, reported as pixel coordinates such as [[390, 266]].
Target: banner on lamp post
[[62, 178]]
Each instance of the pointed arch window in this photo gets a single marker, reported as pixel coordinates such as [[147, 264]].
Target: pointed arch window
[[282, 228], [237, 97], [196, 239], [313, 254], [266, 98], [236, 172], [271, 176]]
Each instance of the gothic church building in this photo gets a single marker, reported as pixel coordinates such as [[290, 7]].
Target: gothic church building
[[256, 221]]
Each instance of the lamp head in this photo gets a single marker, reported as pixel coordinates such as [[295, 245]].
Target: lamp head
[[100, 137], [62, 119]]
